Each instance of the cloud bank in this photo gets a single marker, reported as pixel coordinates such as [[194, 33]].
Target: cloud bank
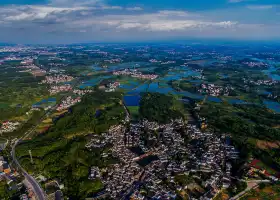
[[93, 20]]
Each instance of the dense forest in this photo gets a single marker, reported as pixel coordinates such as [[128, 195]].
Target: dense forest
[[158, 107], [243, 120]]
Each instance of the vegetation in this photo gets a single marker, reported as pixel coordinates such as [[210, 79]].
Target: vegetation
[[237, 188], [277, 72], [246, 123], [183, 179], [4, 190], [18, 91], [60, 152], [265, 191], [134, 111], [158, 107], [242, 120]]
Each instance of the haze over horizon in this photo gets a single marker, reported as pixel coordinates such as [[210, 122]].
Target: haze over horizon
[[70, 21]]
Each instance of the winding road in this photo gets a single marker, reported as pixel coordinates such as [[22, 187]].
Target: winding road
[[38, 191]]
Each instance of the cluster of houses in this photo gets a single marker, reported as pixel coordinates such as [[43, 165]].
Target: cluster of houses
[[55, 79], [215, 90], [113, 60], [260, 82], [211, 154], [255, 64], [82, 92], [162, 156], [33, 69], [4, 168], [119, 177], [168, 62], [9, 175], [170, 150], [154, 61], [136, 74], [29, 67], [99, 141], [94, 173], [60, 88], [8, 126], [255, 171], [27, 62], [68, 102], [112, 87]]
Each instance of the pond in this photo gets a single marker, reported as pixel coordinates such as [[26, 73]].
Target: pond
[[132, 100], [264, 92], [141, 88], [128, 65], [272, 105], [45, 101], [129, 85], [93, 82], [97, 68], [154, 87], [90, 83], [269, 71], [179, 73], [214, 99], [98, 113], [236, 101], [191, 95]]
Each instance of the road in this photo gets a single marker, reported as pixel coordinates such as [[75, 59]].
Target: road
[[39, 192], [251, 185]]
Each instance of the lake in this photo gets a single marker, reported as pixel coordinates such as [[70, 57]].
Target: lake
[[132, 100], [272, 105], [269, 71]]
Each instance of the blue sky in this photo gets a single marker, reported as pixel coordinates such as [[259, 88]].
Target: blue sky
[[72, 21]]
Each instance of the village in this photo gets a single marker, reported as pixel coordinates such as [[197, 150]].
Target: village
[[8, 126], [214, 90], [136, 74], [147, 159]]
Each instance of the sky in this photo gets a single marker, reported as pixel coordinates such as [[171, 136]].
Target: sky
[[81, 21]]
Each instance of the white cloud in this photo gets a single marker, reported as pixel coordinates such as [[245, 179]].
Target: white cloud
[[260, 7], [239, 1], [172, 25], [174, 13], [94, 19], [134, 9], [36, 12], [160, 21], [76, 2], [235, 1]]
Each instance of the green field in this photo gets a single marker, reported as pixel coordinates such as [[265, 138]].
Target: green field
[[134, 111], [18, 91]]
